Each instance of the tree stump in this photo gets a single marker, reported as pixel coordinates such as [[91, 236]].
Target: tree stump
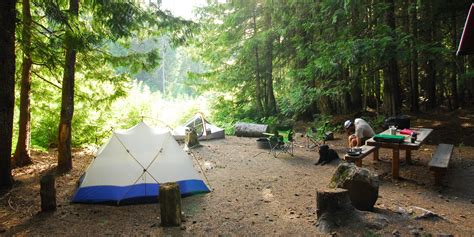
[[191, 139], [333, 207], [48, 193], [170, 204], [250, 129]]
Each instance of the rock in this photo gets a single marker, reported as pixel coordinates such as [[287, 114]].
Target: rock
[[2, 229], [363, 185], [415, 232], [396, 233], [444, 235], [422, 213]]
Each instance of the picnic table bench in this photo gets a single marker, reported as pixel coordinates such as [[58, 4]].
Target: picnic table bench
[[440, 161], [366, 150]]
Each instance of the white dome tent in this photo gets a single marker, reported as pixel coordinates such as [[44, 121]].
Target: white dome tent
[[133, 163]]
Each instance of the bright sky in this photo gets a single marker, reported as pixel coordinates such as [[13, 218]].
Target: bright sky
[[182, 8]]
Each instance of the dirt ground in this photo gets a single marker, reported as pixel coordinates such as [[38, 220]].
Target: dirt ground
[[254, 193]]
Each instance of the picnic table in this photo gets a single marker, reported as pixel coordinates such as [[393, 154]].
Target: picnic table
[[406, 145]]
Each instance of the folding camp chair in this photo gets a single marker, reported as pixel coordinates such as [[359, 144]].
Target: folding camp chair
[[318, 136], [311, 138], [281, 142]]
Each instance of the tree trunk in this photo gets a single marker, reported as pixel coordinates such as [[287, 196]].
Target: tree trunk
[[258, 79], [22, 153], [7, 88], [270, 102], [48, 193], [414, 94], [67, 99], [429, 84], [170, 204], [453, 80], [356, 91], [391, 101]]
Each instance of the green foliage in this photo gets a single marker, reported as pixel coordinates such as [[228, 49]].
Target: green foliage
[[322, 124], [376, 122]]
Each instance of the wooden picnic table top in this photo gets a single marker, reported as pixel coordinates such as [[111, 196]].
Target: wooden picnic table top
[[422, 134]]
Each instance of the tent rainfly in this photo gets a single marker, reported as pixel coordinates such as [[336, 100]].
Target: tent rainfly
[[466, 45], [204, 129], [133, 163]]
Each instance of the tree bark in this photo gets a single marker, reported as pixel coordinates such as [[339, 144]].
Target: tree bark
[[453, 80], [250, 129], [333, 206], [391, 101], [67, 99], [429, 81], [7, 88], [22, 152], [270, 102], [170, 204], [356, 91], [258, 79], [414, 89], [48, 193]]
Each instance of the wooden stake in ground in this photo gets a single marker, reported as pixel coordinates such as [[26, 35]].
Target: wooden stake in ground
[[48, 193], [170, 204]]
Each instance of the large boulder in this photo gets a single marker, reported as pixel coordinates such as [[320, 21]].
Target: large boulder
[[363, 185]]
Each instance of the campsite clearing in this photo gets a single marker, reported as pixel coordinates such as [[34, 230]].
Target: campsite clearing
[[254, 195]]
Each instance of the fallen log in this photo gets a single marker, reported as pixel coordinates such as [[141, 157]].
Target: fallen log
[[250, 129]]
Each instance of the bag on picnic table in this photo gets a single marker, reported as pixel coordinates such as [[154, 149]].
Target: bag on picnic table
[[389, 138]]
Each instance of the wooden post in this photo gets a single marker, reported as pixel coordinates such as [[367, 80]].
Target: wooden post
[[48, 193], [376, 153], [408, 157], [358, 162], [170, 204], [395, 163]]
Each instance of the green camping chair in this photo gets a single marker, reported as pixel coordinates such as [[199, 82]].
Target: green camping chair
[[316, 136], [281, 141]]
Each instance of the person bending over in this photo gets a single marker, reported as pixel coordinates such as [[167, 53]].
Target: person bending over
[[359, 131]]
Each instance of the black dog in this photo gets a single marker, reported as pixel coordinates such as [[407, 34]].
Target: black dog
[[326, 155]]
